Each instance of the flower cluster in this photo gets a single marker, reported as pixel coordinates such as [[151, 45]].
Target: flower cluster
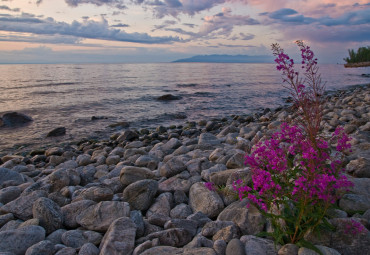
[[354, 228]]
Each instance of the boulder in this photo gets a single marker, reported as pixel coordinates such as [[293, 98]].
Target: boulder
[[99, 217], [59, 131], [204, 200], [353, 203], [245, 215], [119, 238], [131, 174], [96, 194], [88, 249], [48, 213], [15, 119], [22, 206], [140, 194], [10, 178], [19, 240], [44, 247], [176, 237], [9, 194], [71, 211], [259, 246], [77, 238], [168, 97], [236, 247]]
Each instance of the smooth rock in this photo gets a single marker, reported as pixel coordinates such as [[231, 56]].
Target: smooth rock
[[119, 238], [22, 206], [48, 213], [9, 194], [44, 247], [220, 247], [10, 178], [247, 218], [176, 237], [159, 212], [19, 240], [96, 194], [59, 131], [56, 236], [206, 201], [5, 218], [235, 247], [67, 251], [83, 160], [71, 211], [188, 225], [172, 167], [288, 249], [88, 249], [168, 97], [131, 174], [140, 194], [325, 251], [208, 139], [100, 216], [77, 238], [15, 119], [259, 246], [137, 218], [163, 250], [352, 203], [181, 211]]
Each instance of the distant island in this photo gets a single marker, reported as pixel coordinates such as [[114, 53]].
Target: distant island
[[226, 59]]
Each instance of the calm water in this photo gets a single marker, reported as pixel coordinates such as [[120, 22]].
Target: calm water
[[69, 95]]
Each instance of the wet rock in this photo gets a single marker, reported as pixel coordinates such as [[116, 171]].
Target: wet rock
[[71, 211], [247, 218], [127, 135], [131, 174], [168, 97], [22, 206], [15, 119], [44, 247], [59, 131], [19, 240], [204, 200], [140, 194], [99, 217], [119, 238], [48, 213]]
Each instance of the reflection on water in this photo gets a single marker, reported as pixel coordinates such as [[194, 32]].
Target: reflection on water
[[69, 95]]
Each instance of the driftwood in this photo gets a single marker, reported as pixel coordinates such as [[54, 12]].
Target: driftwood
[[359, 64]]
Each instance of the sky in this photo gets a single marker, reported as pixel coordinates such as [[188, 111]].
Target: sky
[[120, 31]]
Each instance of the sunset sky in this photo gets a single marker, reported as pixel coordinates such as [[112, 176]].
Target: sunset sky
[[74, 31]]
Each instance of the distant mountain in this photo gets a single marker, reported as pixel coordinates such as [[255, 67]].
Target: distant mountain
[[227, 59]]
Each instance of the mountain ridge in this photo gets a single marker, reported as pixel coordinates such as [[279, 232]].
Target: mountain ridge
[[224, 58]]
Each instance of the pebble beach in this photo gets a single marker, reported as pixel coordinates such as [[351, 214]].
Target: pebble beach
[[142, 191]]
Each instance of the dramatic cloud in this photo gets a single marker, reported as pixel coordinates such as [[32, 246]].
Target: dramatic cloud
[[86, 29]]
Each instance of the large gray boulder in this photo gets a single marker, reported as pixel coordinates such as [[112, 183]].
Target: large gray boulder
[[140, 194], [204, 200], [19, 240], [245, 215], [120, 238], [48, 213], [15, 119], [71, 211], [10, 178], [99, 217], [131, 174], [22, 206]]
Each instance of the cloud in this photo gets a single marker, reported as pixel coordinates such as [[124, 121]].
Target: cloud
[[165, 24], [189, 25], [55, 39], [290, 16], [6, 8], [120, 25], [242, 36], [86, 29], [113, 3]]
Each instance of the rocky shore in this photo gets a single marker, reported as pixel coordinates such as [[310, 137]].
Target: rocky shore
[[142, 192]]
